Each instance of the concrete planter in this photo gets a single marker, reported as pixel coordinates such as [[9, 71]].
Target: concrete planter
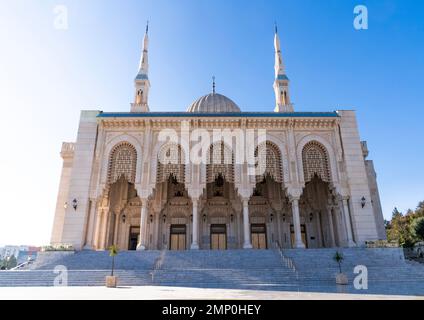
[[341, 279], [111, 281]]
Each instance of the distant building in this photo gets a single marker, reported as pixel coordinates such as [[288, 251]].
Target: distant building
[[9, 251], [21, 253]]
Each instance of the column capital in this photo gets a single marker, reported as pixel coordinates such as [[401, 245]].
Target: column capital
[[144, 202], [294, 198], [294, 193]]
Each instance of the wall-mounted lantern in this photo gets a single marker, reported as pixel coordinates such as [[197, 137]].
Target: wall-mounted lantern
[[284, 217], [151, 218], [271, 216], [124, 218], [311, 217], [65, 205], [231, 217], [75, 204], [204, 218], [363, 202], [164, 218]]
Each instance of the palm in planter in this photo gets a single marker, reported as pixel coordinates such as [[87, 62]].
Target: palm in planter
[[111, 280], [341, 278]]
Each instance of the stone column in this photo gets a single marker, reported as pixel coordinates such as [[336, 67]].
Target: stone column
[[97, 232], [298, 243], [103, 232], [195, 242], [320, 233], [331, 225], [143, 224], [246, 225], [350, 242], [115, 232]]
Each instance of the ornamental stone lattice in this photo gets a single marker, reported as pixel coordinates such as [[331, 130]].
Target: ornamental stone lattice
[[123, 160], [315, 162], [171, 163], [268, 162], [220, 163]]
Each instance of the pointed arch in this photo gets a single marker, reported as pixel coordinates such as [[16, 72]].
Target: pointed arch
[[269, 162], [219, 161], [331, 157], [171, 163], [122, 163], [315, 162]]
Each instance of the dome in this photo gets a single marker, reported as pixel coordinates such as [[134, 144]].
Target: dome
[[212, 103]]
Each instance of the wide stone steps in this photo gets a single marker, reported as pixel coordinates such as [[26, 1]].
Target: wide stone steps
[[238, 269]]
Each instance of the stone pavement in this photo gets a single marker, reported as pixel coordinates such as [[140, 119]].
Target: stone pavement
[[175, 293]]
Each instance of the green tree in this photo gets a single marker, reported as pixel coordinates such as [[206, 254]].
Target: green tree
[[113, 252], [400, 227], [8, 263], [417, 228], [399, 230], [338, 257]]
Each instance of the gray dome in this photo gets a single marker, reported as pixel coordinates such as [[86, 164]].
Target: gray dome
[[213, 103]]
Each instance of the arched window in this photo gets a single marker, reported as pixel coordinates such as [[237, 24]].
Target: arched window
[[171, 163], [220, 162], [139, 99], [268, 162], [315, 162], [122, 162]]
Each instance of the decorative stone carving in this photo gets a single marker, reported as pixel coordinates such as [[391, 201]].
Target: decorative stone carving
[[315, 162], [122, 162]]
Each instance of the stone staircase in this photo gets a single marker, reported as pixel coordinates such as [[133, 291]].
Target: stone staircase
[[290, 270]]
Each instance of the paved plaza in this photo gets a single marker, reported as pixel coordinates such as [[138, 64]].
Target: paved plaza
[[176, 293]]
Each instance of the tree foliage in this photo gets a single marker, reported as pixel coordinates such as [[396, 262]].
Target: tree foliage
[[401, 227], [113, 251], [8, 263], [418, 228]]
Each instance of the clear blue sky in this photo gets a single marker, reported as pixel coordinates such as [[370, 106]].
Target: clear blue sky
[[47, 76]]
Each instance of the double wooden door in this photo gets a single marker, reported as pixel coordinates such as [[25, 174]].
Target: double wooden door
[[178, 236], [218, 237], [258, 234]]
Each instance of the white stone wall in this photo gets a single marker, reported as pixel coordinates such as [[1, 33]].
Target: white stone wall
[[363, 221], [375, 197], [67, 154], [76, 221]]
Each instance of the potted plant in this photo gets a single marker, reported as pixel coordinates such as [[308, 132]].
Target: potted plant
[[111, 281], [341, 278]]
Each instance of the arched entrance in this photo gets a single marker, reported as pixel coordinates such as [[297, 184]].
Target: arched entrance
[[320, 215]]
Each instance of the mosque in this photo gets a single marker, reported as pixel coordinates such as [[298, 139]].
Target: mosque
[[306, 184]]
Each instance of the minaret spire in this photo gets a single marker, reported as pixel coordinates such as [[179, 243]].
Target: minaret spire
[[144, 61], [281, 83], [142, 83]]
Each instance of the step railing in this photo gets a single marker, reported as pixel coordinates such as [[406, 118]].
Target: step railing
[[158, 264], [22, 265], [287, 262]]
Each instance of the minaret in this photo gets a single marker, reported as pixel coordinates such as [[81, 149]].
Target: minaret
[[142, 83], [281, 83]]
